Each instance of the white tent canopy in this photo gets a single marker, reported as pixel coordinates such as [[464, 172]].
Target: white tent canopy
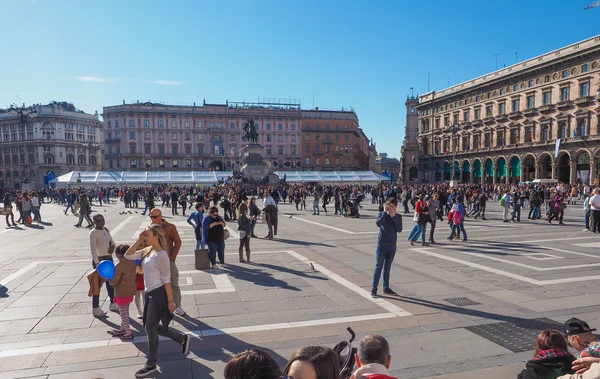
[[126, 178]]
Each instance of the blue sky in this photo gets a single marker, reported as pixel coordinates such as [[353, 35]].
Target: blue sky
[[361, 53]]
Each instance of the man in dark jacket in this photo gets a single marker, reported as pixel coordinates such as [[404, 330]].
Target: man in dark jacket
[[390, 224]]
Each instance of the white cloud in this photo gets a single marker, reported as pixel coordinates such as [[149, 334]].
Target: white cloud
[[167, 83], [94, 79]]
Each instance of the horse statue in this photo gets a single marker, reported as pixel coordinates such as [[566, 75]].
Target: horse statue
[[250, 133]]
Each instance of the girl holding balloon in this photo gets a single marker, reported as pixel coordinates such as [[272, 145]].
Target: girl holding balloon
[[158, 303], [123, 282]]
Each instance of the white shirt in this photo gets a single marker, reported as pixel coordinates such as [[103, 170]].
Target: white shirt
[[157, 268], [269, 201], [595, 202], [100, 241]]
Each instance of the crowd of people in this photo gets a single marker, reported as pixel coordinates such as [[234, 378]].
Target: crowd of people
[[147, 268]]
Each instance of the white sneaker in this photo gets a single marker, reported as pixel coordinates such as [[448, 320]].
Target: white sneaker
[[214, 267], [179, 311], [223, 265], [585, 230], [113, 307], [139, 316], [98, 312]]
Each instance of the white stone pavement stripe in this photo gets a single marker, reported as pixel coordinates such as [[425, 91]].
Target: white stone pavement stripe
[[196, 333], [329, 226], [524, 265], [117, 228], [394, 309], [506, 273], [30, 266], [13, 229]]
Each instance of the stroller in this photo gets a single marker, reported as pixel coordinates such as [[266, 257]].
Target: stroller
[[346, 353], [353, 209]]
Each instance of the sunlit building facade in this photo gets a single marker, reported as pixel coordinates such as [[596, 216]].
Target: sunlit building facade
[[536, 119]]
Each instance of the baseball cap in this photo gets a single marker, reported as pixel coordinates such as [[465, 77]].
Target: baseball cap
[[574, 326]]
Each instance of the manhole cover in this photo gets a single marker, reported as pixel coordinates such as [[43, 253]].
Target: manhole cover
[[517, 336], [461, 301]]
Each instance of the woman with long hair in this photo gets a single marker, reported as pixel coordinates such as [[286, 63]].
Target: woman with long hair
[[158, 304], [313, 362]]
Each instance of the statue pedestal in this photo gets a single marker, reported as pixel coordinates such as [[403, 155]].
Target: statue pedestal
[[253, 165]]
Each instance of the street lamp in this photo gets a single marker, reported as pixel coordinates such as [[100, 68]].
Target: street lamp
[[453, 128], [23, 114], [347, 149]]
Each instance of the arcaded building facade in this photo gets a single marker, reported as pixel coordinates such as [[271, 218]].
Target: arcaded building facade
[[536, 119], [149, 136], [59, 138]]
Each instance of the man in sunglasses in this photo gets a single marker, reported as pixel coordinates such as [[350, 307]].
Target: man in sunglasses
[[173, 245]]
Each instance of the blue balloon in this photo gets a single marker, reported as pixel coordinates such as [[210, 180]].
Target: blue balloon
[[137, 262], [106, 269]]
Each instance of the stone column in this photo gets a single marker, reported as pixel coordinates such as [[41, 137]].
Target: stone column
[[507, 175], [537, 171], [553, 170], [592, 171], [573, 174], [522, 173]]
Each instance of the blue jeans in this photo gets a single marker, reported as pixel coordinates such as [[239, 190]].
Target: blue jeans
[[418, 229], [457, 229], [213, 249], [384, 256], [588, 213]]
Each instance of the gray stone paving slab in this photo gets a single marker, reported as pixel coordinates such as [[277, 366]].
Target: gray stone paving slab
[[35, 312], [15, 327], [278, 281], [23, 362], [49, 324], [27, 373]]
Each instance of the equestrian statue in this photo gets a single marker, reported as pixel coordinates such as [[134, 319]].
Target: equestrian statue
[[250, 133]]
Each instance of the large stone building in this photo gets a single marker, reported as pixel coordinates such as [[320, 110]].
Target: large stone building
[[333, 140], [390, 165], [55, 137], [409, 153], [536, 119], [148, 136]]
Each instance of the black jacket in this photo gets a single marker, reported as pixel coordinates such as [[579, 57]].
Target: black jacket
[[549, 368]]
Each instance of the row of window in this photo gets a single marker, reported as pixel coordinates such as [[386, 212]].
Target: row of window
[[187, 163], [563, 131], [327, 137], [325, 149], [48, 158], [187, 136], [326, 161], [327, 127], [199, 124], [515, 88], [15, 137], [530, 103], [188, 150]]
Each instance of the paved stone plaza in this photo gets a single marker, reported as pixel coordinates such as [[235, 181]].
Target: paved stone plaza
[[467, 310]]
